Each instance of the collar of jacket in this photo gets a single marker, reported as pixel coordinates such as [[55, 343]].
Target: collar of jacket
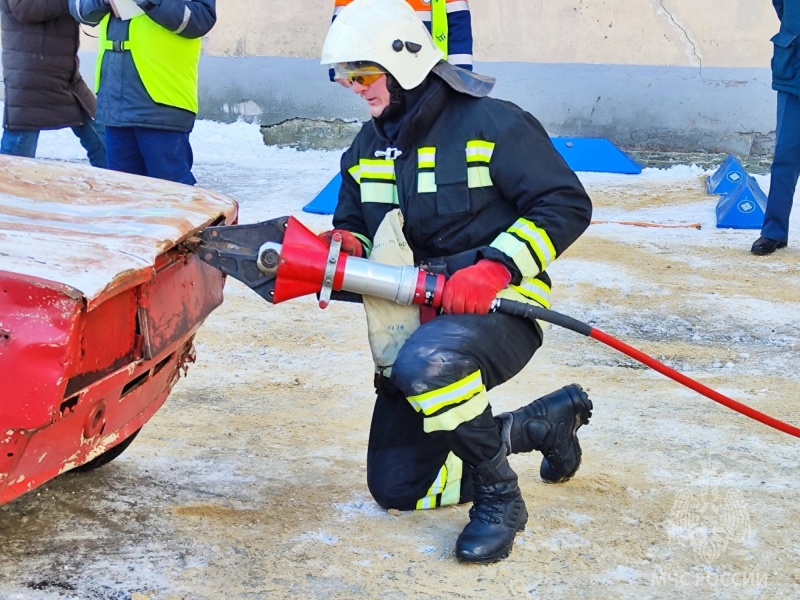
[[418, 117]]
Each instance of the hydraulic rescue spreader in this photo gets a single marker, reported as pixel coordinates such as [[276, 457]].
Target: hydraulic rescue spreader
[[281, 259]]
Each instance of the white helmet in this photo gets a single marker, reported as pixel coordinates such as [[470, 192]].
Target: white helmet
[[386, 32]]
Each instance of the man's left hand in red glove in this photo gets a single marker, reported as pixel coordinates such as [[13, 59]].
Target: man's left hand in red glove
[[350, 243], [472, 290]]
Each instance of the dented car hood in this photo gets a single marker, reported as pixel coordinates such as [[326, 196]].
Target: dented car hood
[[89, 232]]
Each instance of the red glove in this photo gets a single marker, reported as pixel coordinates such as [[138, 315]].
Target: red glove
[[472, 290], [350, 243]]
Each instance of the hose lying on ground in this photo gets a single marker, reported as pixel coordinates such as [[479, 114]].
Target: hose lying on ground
[[530, 311]]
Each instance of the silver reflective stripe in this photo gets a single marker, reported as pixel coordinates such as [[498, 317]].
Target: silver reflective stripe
[[187, 15]]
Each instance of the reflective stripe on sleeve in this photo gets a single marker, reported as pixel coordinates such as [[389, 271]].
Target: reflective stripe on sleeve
[[529, 290], [518, 251]]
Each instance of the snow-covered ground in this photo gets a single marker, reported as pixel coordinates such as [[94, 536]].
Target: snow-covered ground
[[249, 482]]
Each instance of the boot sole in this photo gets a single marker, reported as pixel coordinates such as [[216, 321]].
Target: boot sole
[[583, 412]]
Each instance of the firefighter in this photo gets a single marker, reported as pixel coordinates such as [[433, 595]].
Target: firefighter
[[471, 187]]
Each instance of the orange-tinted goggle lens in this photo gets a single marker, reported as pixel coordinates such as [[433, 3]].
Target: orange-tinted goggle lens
[[363, 75]]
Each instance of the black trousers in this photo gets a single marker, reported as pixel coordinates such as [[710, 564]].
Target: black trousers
[[403, 461]]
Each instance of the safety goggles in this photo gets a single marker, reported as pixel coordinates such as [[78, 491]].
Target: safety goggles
[[359, 72]]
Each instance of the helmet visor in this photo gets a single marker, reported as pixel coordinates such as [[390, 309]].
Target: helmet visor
[[362, 73]]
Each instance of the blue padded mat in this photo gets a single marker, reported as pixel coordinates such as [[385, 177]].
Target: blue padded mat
[[597, 155]]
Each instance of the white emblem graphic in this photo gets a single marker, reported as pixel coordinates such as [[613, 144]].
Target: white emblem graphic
[[708, 519], [734, 176], [746, 206]]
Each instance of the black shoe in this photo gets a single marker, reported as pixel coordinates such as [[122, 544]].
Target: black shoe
[[550, 425], [765, 245], [498, 512]]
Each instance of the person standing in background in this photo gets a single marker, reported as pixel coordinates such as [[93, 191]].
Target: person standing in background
[[448, 21], [146, 80], [43, 84], [786, 161]]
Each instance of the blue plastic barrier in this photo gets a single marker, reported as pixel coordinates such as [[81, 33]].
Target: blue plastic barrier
[[742, 207], [326, 201], [728, 177]]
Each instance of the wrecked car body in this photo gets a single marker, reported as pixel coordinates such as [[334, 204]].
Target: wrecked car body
[[100, 299]]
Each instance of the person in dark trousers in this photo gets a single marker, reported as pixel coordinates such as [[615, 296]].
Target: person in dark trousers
[[147, 79], [785, 167], [474, 189], [43, 84]]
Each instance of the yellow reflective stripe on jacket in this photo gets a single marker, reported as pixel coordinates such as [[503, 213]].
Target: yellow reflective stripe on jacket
[[479, 155], [446, 488], [439, 28], [530, 290], [377, 169], [518, 242], [479, 151], [355, 172], [426, 177], [479, 177], [377, 181], [426, 158], [167, 63], [518, 251]]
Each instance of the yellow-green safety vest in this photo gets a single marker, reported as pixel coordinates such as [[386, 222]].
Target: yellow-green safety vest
[[439, 30], [166, 62]]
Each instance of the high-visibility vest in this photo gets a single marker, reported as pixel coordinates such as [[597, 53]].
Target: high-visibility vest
[[439, 25], [166, 62]]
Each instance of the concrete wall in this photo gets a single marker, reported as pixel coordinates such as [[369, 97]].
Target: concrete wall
[[649, 74]]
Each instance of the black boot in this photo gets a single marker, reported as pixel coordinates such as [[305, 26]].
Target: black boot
[[550, 425], [497, 514]]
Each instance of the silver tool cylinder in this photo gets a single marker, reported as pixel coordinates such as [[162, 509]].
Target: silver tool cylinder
[[390, 282]]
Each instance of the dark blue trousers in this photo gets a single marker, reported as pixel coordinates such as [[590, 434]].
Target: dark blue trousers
[[785, 168], [152, 152]]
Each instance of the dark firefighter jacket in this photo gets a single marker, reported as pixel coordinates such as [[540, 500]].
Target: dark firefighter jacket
[[473, 177], [43, 86]]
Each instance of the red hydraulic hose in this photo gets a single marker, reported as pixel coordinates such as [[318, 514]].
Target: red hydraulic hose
[[537, 312]]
